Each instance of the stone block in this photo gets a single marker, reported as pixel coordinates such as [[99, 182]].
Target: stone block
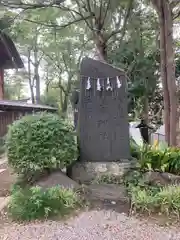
[[86, 172], [108, 192], [57, 179]]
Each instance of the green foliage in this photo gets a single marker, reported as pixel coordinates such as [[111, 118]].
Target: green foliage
[[148, 198], [152, 199], [50, 100], [138, 56], [169, 199], [14, 86], [166, 200], [143, 200], [133, 178], [38, 142], [165, 160], [36, 203]]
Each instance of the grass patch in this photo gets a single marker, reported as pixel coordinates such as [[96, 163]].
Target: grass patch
[[37, 203], [166, 200], [152, 199]]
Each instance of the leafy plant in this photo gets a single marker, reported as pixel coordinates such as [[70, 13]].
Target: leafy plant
[[40, 142], [165, 200], [133, 178], [149, 199], [143, 200], [164, 160], [169, 200], [36, 203]]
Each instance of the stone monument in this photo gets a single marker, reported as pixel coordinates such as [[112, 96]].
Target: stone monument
[[103, 127]]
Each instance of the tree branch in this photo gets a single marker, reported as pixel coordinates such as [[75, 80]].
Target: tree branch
[[65, 64], [90, 25], [42, 55], [26, 6], [57, 26], [105, 15], [123, 30], [174, 3], [47, 55], [176, 15], [101, 9]]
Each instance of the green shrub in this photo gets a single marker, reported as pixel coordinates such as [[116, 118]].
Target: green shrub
[[169, 200], [133, 178], [165, 160], [35, 203], [165, 200], [38, 142], [143, 200]]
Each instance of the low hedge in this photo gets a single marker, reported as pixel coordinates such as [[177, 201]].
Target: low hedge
[[36, 203]]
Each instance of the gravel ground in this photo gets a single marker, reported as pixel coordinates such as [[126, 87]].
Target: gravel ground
[[93, 225]]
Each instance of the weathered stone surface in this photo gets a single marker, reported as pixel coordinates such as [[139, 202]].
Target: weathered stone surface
[[108, 192], [103, 114], [57, 179], [154, 178], [163, 179], [86, 172], [174, 179], [4, 202]]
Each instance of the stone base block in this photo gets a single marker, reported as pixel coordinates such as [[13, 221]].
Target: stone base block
[[86, 172]]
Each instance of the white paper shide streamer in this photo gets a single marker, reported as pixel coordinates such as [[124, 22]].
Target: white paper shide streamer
[[108, 85], [98, 85], [118, 82], [88, 87]]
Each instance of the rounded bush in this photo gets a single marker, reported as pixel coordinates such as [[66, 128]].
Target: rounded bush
[[38, 142]]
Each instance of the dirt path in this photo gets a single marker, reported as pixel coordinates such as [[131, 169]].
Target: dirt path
[[93, 225], [7, 178]]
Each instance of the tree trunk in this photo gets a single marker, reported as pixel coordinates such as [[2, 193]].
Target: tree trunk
[[164, 76], [36, 75], [167, 69], [1, 84], [66, 96], [65, 105], [146, 108], [36, 67], [29, 77], [170, 65], [101, 47]]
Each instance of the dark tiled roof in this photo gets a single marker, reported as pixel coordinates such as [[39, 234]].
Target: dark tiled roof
[[7, 105], [9, 56]]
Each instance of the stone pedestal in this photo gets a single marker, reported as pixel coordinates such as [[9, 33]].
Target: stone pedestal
[[86, 172]]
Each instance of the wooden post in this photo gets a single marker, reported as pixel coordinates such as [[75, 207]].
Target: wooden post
[[1, 84]]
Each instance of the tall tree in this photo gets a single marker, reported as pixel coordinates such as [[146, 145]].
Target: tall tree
[[165, 15], [138, 56], [104, 18]]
